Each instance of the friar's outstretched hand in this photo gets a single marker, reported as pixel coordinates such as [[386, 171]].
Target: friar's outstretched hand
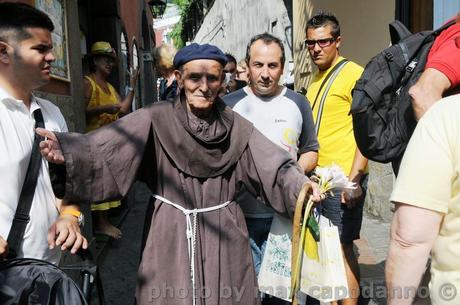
[[50, 147]]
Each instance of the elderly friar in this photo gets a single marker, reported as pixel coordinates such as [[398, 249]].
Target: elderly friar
[[196, 155]]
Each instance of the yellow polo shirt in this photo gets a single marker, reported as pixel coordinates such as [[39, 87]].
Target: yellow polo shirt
[[336, 140]]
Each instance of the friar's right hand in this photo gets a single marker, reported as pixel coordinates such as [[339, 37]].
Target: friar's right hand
[[50, 147]]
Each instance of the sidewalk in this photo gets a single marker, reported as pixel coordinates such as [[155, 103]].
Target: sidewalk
[[372, 251]]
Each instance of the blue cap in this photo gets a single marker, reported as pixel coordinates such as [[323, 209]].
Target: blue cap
[[197, 51]]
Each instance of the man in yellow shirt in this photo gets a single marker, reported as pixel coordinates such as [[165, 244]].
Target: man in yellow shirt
[[330, 97]]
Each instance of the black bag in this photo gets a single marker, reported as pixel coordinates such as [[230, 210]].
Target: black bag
[[383, 119], [30, 281]]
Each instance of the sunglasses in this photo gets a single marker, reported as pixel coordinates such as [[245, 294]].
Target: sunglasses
[[322, 43]]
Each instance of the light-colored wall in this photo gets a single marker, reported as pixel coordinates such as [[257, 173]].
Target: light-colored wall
[[364, 30], [231, 24]]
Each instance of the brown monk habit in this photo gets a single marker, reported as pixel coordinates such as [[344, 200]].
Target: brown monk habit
[[195, 164]]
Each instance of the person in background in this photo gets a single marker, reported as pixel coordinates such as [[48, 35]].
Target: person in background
[[164, 55], [334, 127], [103, 106], [25, 62], [442, 71], [281, 115], [242, 71], [231, 83]]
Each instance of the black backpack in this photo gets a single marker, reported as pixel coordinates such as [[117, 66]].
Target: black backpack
[[383, 119], [25, 281]]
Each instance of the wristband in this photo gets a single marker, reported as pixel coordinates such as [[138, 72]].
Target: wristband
[[76, 213]]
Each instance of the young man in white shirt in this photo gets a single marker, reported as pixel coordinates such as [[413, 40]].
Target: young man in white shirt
[[25, 62]]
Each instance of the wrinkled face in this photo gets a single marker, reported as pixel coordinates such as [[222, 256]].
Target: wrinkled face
[[265, 68], [32, 57], [201, 80], [325, 56], [104, 64]]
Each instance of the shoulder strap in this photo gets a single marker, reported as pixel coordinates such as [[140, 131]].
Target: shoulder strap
[[330, 80], [337, 66], [21, 217], [445, 26], [398, 31]]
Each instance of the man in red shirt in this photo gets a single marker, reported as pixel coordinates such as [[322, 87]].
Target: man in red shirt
[[442, 71]]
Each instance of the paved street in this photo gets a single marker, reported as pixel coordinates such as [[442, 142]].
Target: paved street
[[120, 259], [372, 250]]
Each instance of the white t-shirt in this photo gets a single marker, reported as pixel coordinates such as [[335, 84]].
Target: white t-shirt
[[286, 119], [16, 139], [429, 178]]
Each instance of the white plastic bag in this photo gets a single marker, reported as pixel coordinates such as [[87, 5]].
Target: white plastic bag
[[275, 271], [325, 279]]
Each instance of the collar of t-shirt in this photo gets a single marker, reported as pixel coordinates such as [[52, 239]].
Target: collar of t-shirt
[[248, 91]]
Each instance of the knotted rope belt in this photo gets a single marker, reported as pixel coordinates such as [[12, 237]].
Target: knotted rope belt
[[191, 233]]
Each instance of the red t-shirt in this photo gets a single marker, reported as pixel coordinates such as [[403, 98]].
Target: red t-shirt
[[444, 55]]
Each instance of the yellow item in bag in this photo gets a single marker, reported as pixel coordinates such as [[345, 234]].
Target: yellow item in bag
[[310, 246]]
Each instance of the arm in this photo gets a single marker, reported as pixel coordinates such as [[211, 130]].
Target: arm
[[308, 161], [65, 231], [358, 168], [126, 103], [428, 90], [103, 164], [271, 175], [413, 233]]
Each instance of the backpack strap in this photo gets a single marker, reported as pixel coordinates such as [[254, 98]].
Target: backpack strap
[[445, 26], [331, 76], [21, 217], [337, 66], [398, 31]]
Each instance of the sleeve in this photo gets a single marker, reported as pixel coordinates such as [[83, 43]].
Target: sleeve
[[307, 140], [426, 172], [353, 73], [57, 172], [271, 174], [103, 165], [444, 54]]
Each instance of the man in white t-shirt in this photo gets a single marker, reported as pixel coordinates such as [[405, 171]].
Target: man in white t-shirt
[[25, 59], [282, 115]]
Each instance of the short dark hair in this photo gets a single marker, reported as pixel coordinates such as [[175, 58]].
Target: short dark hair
[[230, 58], [323, 19], [267, 39], [18, 17]]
